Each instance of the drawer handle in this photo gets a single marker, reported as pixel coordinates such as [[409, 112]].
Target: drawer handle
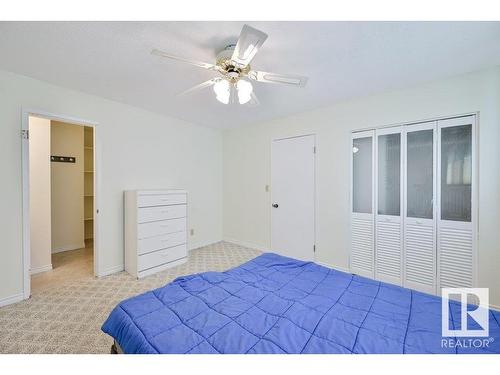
[[164, 225], [164, 211]]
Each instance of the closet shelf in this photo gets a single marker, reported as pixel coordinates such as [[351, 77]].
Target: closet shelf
[[89, 171], [88, 195], [88, 218]]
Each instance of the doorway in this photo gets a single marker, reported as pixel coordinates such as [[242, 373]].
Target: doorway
[[59, 200], [293, 196]]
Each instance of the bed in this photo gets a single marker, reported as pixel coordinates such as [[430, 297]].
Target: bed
[[275, 304]]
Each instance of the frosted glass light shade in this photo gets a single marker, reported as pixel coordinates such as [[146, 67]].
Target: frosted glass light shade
[[222, 91], [244, 91]]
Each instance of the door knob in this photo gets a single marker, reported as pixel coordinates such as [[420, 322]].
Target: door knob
[[275, 205]]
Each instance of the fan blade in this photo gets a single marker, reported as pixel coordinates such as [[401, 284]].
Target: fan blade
[[287, 79], [248, 45], [199, 64], [201, 86]]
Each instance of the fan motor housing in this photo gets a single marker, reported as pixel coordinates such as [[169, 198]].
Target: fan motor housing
[[233, 70]]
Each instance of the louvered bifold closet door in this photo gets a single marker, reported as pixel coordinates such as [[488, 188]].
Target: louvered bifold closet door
[[362, 220], [388, 219], [419, 208], [456, 208]]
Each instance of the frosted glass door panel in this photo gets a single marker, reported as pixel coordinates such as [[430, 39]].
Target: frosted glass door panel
[[362, 218], [388, 222], [389, 172], [456, 173], [456, 235], [362, 175], [419, 222], [419, 174]]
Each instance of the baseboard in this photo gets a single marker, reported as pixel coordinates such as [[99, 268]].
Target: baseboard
[[495, 307], [338, 268], [10, 300], [247, 244], [111, 270], [35, 270], [68, 248], [197, 245]]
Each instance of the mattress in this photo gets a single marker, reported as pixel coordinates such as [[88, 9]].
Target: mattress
[[275, 304]]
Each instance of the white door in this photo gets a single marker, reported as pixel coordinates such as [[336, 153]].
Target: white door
[[419, 207], [388, 221], [362, 206], [293, 197], [456, 208]]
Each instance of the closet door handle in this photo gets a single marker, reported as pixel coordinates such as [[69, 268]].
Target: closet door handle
[[275, 205]]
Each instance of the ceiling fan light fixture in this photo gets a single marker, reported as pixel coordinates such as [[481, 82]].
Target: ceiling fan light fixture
[[222, 91], [235, 73], [244, 91]]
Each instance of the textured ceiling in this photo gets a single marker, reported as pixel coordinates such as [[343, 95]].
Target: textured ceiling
[[341, 59]]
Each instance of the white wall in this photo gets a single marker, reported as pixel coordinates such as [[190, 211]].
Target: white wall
[[67, 187], [40, 224], [145, 150], [247, 164], [139, 150]]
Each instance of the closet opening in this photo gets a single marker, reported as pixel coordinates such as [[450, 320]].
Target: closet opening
[[414, 204], [59, 196]]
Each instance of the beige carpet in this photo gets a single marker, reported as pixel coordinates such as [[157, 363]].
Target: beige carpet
[[66, 266], [67, 318]]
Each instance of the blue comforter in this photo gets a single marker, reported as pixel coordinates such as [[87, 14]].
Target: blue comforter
[[274, 304]]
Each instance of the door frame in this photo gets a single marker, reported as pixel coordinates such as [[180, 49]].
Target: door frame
[[26, 113], [271, 186]]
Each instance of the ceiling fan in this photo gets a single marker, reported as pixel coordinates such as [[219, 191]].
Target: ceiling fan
[[235, 73]]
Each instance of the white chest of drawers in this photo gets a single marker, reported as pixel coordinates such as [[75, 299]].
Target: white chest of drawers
[[155, 230]]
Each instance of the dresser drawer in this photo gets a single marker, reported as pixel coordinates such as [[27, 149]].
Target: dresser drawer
[[160, 257], [155, 228], [146, 214], [161, 200], [150, 244]]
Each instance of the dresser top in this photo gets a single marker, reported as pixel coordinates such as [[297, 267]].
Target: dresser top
[[157, 192]]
